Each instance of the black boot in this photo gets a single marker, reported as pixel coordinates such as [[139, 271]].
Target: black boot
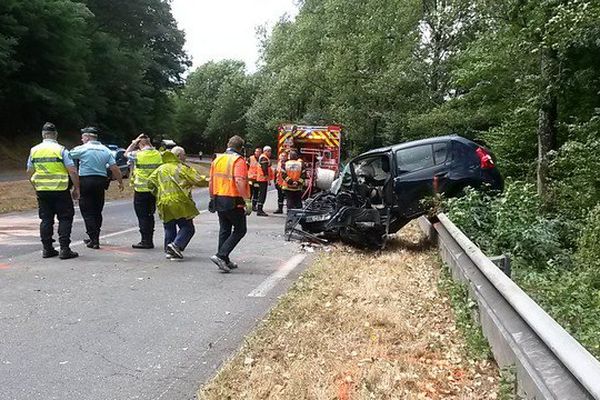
[[93, 242], [66, 253], [261, 212], [145, 244], [49, 252], [279, 209]]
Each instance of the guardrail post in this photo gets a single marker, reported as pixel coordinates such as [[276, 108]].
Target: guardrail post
[[502, 262]]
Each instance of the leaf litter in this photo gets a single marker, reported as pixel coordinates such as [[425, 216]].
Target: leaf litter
[[360, 325]]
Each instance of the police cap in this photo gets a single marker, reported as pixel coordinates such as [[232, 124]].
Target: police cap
[[49, 127], [91, 130]]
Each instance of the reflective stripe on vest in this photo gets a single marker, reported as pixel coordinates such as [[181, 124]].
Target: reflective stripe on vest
[[50, 174], [222, 175], [253, 167], [260, 175], [293, 169], [146, 161], [280, 173]]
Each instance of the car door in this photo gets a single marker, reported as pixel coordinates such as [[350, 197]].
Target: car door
[[420, 170]]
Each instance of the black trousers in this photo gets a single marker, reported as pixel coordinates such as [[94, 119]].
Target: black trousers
[[280, 197], [254, 192], [232, 229], [59, 204], [144, 204], [91, 203], [294, 199], [262, 193]]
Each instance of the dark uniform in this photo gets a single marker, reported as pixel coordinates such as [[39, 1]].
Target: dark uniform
[[49, 162], [144, 202], [93, 159]]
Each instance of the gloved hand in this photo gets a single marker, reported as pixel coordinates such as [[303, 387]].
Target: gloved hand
[[248, 207]]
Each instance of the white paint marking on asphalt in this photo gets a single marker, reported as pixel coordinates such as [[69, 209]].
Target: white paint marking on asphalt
[[275, 277], [79, 243]]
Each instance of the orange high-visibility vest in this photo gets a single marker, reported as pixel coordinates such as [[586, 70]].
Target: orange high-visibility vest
[[253, 167], [260, 175], [279, 173], [293, 169], [222, 175]]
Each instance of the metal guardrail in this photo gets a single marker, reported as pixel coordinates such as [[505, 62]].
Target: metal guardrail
[[550, 363]]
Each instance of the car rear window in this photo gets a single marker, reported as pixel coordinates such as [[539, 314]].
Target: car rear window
[[414, 158], [440, 152]]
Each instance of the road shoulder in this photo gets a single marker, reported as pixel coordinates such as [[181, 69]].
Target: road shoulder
[[360, 325]]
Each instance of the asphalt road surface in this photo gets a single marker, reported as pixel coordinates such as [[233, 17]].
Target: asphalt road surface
[[119, 323]]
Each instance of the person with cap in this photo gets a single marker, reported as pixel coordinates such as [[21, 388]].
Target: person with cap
[[279, 182], [172, 183], [50, 167], [145, 160], [293, 176], [94, 159], [264, 175], [252, 174], [230, 198]]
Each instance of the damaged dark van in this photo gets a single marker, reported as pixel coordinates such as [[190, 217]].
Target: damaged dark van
[[382, 190]]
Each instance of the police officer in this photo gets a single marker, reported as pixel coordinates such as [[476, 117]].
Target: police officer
[[293, 175], [263, 176], [230, 198], [50, 167], [145, 160], [94, 158]]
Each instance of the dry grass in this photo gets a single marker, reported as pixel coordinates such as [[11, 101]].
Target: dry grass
[[360, 326], [20, 195]]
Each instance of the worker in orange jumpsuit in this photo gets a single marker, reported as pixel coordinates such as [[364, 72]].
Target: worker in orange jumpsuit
[[252, 173], [293, 175], [230, 198], [279, 182]]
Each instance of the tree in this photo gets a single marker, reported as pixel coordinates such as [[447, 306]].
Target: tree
[[213, 104]]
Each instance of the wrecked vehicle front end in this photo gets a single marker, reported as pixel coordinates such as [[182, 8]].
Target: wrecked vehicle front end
[[359, 209]]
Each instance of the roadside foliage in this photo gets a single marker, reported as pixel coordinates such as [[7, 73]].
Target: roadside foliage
[[520, 75]]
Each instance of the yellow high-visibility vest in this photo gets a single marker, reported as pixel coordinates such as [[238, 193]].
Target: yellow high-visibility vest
[[146, 161], [50, 174]]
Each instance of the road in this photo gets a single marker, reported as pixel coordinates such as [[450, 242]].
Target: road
[[124, 324]]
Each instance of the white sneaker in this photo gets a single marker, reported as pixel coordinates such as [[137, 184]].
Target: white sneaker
[[174, 251]]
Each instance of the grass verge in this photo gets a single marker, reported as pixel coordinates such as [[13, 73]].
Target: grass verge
[[360, 326], [20, 195]]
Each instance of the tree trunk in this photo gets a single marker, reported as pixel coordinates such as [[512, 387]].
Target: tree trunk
[[548, 115]]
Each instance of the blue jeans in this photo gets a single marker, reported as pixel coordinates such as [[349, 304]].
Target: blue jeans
[[181, 238]]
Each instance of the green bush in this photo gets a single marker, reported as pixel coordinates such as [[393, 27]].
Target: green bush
[[562, 276], [510, 224]]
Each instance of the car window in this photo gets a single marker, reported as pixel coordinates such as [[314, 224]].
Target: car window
[[414, 158], [440, 152], [377, 168]]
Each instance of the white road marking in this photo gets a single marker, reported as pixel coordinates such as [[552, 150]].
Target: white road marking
[[79, 243], [283, 271]]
